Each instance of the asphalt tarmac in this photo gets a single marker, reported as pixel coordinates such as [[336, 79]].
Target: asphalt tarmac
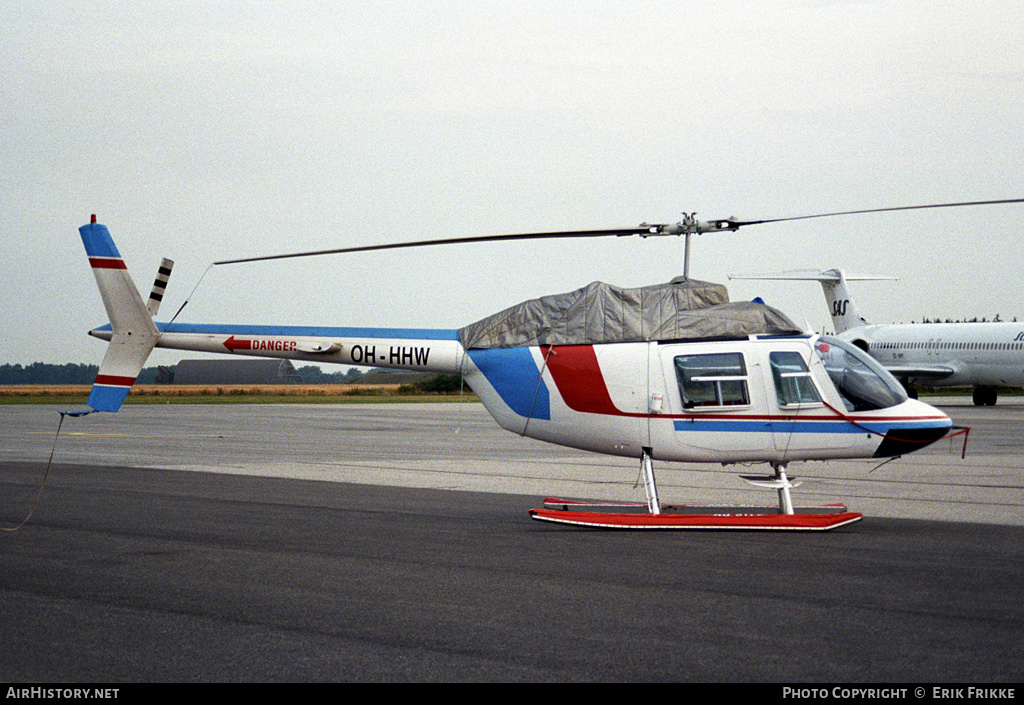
[[391, 543]]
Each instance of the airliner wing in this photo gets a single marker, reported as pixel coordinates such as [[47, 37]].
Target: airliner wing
[[920, 371]]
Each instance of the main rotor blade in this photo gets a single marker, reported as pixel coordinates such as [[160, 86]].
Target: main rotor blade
[[880, 210], [450, 241], [688, 226]]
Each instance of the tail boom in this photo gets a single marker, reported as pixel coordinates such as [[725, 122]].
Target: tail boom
[[424, 350]]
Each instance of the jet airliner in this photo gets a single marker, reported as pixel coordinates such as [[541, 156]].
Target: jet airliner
[[987, 356]]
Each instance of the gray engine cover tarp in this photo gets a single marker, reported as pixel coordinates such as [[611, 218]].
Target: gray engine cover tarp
[[602, 313]]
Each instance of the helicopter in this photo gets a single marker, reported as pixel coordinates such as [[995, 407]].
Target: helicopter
[[671, 372]]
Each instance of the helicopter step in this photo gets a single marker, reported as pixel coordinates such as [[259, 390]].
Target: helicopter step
[[717, 518]]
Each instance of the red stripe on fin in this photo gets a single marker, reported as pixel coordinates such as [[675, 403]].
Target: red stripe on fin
[[107, 263], [115, 381]]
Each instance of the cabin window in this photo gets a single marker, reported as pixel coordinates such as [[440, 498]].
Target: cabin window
[[793, 383], [713, 379]]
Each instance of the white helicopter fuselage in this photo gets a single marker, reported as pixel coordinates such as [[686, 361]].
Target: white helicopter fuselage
[[714, 401], [721, 401]]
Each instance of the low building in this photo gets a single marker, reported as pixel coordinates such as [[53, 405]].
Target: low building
[[235, 372]]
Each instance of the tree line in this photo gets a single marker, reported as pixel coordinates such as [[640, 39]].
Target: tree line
[[72, 373]]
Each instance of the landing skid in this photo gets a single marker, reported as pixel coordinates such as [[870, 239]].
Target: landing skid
[[705, 521], [653, 515]]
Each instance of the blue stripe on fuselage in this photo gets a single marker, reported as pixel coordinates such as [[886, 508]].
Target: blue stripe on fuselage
[[740, 426], [515, 377], [305, 331]]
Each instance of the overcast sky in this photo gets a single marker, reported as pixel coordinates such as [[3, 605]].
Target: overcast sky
[[202, 131]]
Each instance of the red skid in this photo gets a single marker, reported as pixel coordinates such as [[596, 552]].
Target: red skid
[[779, 522]]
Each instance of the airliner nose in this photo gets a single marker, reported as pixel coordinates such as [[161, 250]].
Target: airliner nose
[[928, 425]]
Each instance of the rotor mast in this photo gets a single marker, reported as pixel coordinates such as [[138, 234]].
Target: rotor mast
[[688, 226]]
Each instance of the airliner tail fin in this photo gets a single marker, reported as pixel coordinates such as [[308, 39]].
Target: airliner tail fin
[[837, 296]]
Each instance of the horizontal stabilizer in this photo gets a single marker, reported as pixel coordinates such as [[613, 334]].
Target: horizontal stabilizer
[[831, 275]]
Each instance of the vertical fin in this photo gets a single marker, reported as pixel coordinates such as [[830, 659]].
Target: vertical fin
[[840, 304], [133, 332]]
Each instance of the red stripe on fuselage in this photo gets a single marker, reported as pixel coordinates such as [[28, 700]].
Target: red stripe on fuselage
[[579, 380], [115, 381], [107, 263]]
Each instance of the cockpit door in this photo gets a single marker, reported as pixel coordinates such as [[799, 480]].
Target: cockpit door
[[801, 421]]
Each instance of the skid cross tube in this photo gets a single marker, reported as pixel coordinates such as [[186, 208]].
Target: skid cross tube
[[650, 486]]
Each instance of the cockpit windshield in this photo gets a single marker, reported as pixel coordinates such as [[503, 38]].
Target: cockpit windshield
[[863, 384]]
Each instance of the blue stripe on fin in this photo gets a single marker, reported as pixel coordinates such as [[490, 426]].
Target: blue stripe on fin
[[107, 398], [97, 241]]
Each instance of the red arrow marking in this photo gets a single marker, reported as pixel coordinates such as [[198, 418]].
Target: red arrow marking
[[232, 344]]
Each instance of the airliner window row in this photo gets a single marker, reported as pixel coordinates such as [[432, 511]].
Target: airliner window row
[[933, 345]]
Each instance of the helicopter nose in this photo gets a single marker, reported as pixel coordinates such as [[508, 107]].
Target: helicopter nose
[[932, 426]]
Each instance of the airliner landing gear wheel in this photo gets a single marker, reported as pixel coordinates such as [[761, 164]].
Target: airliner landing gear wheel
[[984, 396]]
